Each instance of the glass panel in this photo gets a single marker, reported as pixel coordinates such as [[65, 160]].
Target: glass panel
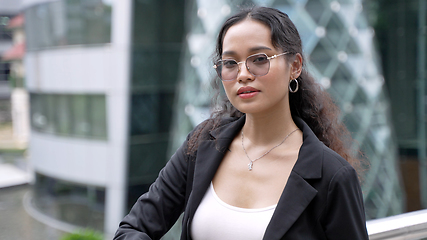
[[143, 114], [4, 71], [37, 114], [80, 115], [360, 97], [336, 30], [352, 47], [50, 105], [151, 113], [5, 34], [67, 22], [80, 205], [171, 58], [165, 112], [315, 8], [342, 74], [158, 22], [147, 67], [83, 116], [145, 162], [89, 21], [320, 57], [63, 116], [98, 119]]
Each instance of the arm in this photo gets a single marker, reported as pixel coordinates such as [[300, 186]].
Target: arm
[[157, 210], [345, 214]]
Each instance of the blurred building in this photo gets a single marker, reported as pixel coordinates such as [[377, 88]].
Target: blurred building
[[14, 56], [402, 40], [101, 76], [115, 86], [8, 9], [76, 74]]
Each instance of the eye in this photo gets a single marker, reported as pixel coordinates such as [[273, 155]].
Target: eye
[[229, 63], [259, 59]]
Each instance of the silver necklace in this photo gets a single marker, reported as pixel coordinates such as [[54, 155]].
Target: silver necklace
[[251, 162]]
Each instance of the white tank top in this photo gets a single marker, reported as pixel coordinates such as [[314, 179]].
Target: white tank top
[[215, 219]]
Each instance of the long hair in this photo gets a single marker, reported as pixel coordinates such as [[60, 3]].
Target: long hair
[[311, 103]]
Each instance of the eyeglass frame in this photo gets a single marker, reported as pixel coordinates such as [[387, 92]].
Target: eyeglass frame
[[215, 66]]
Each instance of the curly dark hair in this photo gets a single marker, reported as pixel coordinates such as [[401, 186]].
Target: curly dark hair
[[311, 103]]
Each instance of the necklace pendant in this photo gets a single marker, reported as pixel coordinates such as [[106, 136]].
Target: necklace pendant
[[250, 166]]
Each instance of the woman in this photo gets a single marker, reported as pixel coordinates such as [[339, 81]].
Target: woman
[[267, 170]]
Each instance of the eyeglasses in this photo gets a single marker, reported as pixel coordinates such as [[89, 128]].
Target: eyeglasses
[[257, 64]]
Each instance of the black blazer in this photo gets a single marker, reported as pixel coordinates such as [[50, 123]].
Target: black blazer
[[321, 200]]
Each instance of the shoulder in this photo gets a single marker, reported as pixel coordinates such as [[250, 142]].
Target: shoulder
[[333, 160], [211, 124], [336, 168], [211, 128]]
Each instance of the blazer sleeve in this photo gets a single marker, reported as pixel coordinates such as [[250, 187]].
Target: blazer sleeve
[[345, 213], [156, 211]]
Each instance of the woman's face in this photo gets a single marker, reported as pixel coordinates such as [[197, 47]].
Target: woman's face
[[256, 94]]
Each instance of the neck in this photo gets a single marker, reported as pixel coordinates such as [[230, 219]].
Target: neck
[[267, 128]]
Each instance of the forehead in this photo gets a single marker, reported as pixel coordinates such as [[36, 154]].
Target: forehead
[[247, 35]]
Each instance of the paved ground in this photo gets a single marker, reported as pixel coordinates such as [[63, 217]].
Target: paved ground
[[16, 214], [16, 223]]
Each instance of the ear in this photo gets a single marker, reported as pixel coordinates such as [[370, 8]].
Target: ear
[[296, 66]]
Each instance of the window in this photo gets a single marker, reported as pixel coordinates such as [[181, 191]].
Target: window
[[75, 115], [4, 71], [78, 204], [68, 22], [5, 34]]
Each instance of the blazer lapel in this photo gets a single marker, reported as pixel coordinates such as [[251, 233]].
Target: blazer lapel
[[209, 156], [295, 199], [297, 193]]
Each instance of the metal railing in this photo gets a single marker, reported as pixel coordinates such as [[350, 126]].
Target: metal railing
[[411, 225]]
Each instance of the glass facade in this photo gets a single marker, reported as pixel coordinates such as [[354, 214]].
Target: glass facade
[[157, 35], [402, 43], [69, 115], [81, 205], [67, 22]]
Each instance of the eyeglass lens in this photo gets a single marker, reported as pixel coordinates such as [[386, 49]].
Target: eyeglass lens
[[257, 65]]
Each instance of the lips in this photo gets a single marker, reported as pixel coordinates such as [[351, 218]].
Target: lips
[[247, 92]]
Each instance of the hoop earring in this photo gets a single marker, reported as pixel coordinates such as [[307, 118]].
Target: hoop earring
[[293, 82]]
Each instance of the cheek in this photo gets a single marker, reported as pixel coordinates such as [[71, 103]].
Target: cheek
[[282, 77], [279, 79], [227, 88]]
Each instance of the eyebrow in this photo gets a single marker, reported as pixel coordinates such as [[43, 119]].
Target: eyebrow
[[254, 49]]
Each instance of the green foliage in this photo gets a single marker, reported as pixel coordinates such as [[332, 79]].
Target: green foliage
[[83, 235]]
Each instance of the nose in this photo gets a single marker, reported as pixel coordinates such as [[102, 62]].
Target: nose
[[243, 73]]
